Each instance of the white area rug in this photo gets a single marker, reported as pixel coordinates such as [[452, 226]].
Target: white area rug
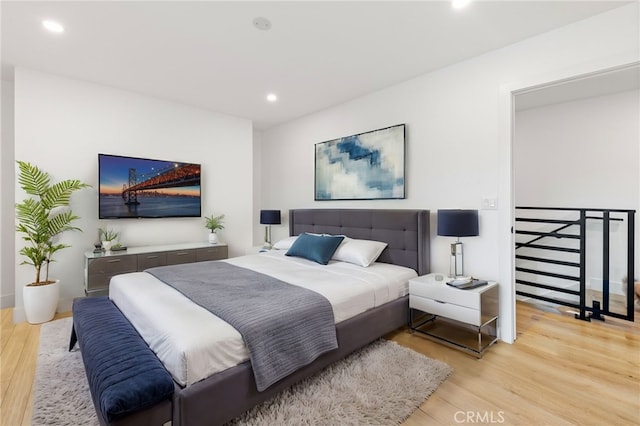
[[61, 392], [382, 384]]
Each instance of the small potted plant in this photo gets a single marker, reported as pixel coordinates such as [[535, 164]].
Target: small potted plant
[[213, 223], [42, 217], [109, 238]]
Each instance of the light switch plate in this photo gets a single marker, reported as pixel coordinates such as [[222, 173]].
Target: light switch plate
[[489, 203]]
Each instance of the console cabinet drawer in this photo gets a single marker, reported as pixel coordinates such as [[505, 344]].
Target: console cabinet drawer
[[181, 256], [99, 281], [211, 253], [113, 265], [151, 260]]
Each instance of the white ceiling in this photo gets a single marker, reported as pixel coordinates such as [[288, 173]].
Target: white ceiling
[[316, 55]]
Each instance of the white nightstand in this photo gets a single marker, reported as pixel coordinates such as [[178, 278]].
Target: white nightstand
[[464, 319]]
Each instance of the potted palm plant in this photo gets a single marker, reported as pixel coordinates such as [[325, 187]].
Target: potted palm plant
[[42, 217], [213, 223]]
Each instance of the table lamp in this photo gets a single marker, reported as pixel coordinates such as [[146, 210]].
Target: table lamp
[[268, 218], [457, 223]]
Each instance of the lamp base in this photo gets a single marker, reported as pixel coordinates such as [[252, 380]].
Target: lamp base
[[267, 238], [456, 266]]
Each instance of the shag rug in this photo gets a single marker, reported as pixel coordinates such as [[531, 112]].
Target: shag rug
[[381, 384]]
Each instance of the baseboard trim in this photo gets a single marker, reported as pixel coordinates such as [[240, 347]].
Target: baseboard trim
[[7, 301], [19, 315]]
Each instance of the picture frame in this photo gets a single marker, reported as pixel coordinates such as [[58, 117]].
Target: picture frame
[[364, 166]]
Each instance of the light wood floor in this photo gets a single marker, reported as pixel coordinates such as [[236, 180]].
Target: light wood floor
[[560, 371], [18, 353]]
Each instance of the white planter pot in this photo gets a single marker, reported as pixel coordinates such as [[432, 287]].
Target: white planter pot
[[213, 238], [106, 245], [41, 302]]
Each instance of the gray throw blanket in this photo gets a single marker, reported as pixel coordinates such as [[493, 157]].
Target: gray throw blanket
[[284, 326]]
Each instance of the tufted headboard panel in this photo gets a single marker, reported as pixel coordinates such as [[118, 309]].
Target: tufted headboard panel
[[405, 231]]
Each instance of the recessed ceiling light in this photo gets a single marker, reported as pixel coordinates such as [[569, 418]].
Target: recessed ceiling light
[[459, 4], [272, 97], [53, 26]]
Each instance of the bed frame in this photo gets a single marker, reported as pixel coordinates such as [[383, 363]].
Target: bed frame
[[226, 395]]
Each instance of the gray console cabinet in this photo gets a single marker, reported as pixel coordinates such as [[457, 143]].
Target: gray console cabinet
[[100, 267]]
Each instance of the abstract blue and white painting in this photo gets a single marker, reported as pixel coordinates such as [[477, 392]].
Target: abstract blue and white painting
[[365, 166]]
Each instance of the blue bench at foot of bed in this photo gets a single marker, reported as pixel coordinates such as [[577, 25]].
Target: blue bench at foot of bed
[[126, 379]]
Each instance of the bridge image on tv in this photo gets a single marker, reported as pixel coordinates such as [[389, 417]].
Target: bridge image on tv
[[135, 187]]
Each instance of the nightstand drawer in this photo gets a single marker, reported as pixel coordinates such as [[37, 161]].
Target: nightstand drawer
[[444, 309], [445, 293]]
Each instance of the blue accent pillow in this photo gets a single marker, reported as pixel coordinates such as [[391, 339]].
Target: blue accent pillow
[[318, 248]]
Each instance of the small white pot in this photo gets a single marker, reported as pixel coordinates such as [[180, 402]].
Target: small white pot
[[106, 245], [213, 238], [41, 302]]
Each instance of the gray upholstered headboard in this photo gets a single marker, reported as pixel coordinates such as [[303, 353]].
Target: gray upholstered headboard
[[405, 231]]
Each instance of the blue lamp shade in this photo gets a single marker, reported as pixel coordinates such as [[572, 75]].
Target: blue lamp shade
[[458, 223], [270, 217]]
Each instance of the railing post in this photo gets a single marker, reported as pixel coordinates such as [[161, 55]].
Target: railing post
[[583, 262], [630, 264], [597, 310]]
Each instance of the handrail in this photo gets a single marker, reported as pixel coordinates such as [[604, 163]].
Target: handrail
[[548, 234], [568, 223], [574, 209]]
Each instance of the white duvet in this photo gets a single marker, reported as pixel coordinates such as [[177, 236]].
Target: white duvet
[[194, 344]]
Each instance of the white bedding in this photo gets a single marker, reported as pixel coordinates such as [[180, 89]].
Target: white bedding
[[194, 344]]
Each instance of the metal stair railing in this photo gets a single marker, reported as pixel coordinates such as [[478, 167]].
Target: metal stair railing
[[585, 312]]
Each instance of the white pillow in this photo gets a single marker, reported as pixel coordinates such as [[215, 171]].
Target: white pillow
[[359, 252], [286, 243]]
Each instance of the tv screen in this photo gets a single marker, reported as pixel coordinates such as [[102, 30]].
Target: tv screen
[[132, 187]]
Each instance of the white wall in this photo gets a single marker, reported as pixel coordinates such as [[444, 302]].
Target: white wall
[[7, 247], [579, 154], [585, 154], [257, 187], [454, 129], [62, 124]]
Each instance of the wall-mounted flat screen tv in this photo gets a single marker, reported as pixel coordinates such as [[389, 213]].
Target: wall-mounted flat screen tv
[[132, 187]]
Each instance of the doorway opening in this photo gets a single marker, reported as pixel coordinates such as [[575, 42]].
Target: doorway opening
[[576, 188]]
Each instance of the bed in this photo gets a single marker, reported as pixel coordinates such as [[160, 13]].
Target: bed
[[213, 393]]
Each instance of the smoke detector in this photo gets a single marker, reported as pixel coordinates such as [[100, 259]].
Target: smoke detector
[[262, 23]]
